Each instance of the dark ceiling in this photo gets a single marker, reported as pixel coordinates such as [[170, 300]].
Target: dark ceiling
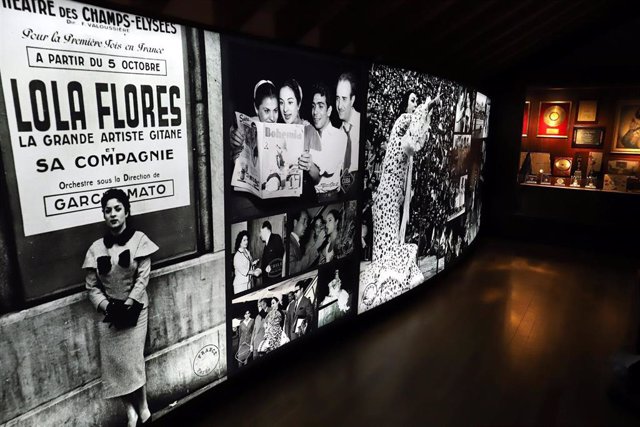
[[470, 41]]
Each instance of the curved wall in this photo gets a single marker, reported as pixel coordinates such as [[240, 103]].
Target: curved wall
[[286, 189]]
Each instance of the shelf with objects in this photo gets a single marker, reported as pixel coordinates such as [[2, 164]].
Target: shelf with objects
[[581, 139]]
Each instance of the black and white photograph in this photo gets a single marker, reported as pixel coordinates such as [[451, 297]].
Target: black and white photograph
[[466, 162], [461, 165], [458, 206], [485, 127], [464, 109], [99, 183], [336, 291], [264, 320], [258, 254], [320, 235], [293, 123], [464, 222], [459, 157], [408, 189], [481, 116]]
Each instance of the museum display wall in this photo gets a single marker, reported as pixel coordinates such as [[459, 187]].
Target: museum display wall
[[581, 138], [273, 191], [577, 171]]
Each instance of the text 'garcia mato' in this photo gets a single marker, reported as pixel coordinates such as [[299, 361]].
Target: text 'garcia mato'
[[144, 105]]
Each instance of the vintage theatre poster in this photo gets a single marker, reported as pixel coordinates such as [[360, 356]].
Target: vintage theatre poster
[[94, 99]]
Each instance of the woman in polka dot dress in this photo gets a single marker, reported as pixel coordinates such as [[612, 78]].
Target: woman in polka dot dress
[[394, 269]]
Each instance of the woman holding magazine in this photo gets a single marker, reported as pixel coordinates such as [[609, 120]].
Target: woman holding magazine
[[265, 103], [290, 99]]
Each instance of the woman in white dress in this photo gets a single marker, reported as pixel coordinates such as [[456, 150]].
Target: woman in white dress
[[118, 267], [243, 264], [394, 268]]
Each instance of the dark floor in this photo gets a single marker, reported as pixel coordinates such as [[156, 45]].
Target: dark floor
[[518, 334]]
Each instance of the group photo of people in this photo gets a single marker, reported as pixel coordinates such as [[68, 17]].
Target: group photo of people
[[278, 88], [258, 254], [407, 185], [269, 318], [320, 235]]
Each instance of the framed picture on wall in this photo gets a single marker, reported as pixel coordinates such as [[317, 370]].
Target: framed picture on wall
[[587, 112], [553, 119], [626, 137], [623, 167], [525, 118], [588, 137]]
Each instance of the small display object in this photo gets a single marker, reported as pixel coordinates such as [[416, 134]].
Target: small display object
[[560, 182], [615, 182], [587, 112], [585, 137], [525, 118], [626, 138], [577, 163], [531, 178], [623, 167], [576, 181], [546, 179], [591, 182], [562, 166], [553, 119]]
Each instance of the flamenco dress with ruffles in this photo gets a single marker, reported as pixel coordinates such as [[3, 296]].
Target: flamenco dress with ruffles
[[393, 269]]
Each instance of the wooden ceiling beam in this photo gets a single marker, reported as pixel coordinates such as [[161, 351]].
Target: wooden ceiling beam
[[560, 22], [479, 29], [528, 24], [389, 42]]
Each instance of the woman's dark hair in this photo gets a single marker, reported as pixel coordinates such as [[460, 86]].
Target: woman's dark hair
[[119, 195], [295, 87], [239, 239], [404, 102], [337, 216], [264, 89]]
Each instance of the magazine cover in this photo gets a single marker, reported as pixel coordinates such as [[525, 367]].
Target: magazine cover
[[267, 166]]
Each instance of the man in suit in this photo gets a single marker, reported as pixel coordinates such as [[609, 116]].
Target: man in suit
[[271, 262], [258, 328], [299, 260], [288, 315], [302, 313], [345, 98]]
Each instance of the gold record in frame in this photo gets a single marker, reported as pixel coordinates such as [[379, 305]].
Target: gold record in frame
[[553, 119], [554, 116], [562, 166]]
